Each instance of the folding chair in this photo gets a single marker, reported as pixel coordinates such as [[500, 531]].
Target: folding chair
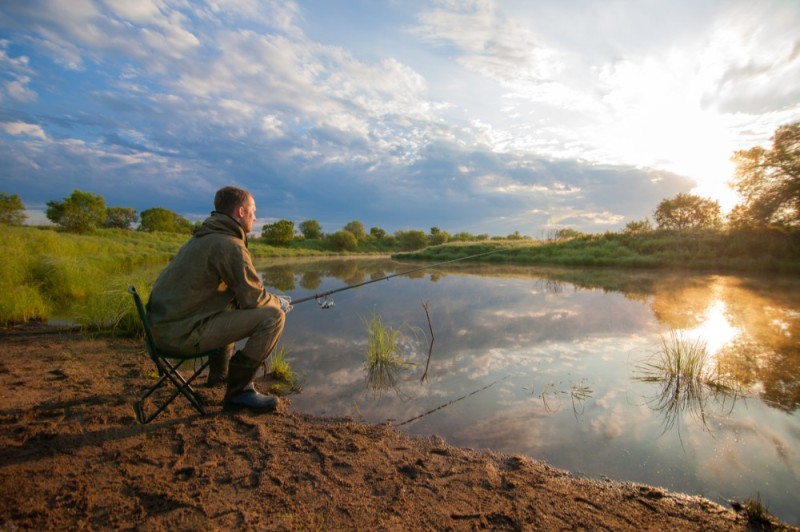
[[167, 370]]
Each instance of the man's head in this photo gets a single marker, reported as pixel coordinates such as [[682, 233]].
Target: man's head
[[237, 203]]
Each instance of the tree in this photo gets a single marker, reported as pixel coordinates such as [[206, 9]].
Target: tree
[[377, 233], [566, 233], [410, 240], [438, 236], [12, 210], [121, 217], [638, 227], [311, 229], [278, 234], [79, 212], [687, 211], [160, 219], [769, 180], [357, 229], [344, 240]]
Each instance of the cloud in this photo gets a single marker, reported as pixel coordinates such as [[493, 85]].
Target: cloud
[[481, 117], [22, 128]]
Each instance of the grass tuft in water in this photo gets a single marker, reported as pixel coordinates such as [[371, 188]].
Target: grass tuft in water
[[288, 381], [384, 355], [683, 369]]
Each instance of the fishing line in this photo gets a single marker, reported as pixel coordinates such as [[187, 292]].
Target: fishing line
[[325, 302]]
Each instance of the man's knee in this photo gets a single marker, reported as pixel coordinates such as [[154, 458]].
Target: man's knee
[[272, 319]]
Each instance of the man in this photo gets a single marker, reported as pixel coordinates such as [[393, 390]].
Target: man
[[210, 296]]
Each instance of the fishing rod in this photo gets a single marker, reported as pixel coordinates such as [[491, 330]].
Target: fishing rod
[[328, 303]]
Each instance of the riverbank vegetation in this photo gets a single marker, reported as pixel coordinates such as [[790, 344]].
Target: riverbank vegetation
[[747, 251], [50, 273]]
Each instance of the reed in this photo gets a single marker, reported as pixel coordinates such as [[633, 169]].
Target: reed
[[384, 355], [686, 378], [281, 371]]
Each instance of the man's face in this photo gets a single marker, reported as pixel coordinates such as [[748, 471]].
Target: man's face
[[247, 214]]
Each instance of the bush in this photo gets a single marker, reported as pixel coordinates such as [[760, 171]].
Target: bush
[[344, 240]]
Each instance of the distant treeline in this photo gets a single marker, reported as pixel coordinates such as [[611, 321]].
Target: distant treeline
[[49, 273]]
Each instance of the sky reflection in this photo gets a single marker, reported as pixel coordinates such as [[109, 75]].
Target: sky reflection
[[543, 363]]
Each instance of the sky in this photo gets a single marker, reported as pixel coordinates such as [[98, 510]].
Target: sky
[[477, 115]]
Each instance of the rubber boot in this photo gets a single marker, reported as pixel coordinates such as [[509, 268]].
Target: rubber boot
[[218, 365], [241, 393]]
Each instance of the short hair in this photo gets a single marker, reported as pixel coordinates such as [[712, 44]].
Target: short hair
[[227, 199]]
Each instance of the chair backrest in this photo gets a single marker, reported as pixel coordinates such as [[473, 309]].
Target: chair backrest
[[148, 333]]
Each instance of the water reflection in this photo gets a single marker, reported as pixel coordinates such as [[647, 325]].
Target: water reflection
[[688, 381], [542, 362]]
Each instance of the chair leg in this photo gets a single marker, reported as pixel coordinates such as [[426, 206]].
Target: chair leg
[[182, 385]]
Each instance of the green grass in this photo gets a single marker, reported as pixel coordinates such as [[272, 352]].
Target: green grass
[[687, 379], [48, 273], [764, 251], [281, 371], [384, 355]]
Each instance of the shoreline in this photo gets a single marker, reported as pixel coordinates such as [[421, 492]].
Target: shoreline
[[73, 456]]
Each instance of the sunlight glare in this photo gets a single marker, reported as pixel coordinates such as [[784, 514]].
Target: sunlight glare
[[714, 328]]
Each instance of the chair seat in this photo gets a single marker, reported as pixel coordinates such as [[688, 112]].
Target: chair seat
[[167, 370]]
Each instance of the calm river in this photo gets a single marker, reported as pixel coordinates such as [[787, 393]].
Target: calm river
[[552, 364]]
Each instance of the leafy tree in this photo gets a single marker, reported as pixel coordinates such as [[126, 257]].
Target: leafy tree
[[79, 212], [160, 219], [769, 180], [687, 211], [12, 210], [566, 233], [121, 217], [638, 227], [515, 236], [357, 229], [311, 229], [438, 236], [278, 234], [411, 240], [344, 240], [377, 233]]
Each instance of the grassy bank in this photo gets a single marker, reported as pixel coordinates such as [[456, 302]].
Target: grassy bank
[[751, 252], [48, 273]]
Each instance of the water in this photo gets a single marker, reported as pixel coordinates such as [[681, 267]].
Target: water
[[549, 364]]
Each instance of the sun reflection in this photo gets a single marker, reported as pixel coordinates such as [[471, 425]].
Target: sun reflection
[[714, 328]]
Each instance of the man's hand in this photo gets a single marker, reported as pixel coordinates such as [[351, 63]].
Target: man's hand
[[286, 303]]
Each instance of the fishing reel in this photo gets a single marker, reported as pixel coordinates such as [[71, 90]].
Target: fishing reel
[[326, 303]]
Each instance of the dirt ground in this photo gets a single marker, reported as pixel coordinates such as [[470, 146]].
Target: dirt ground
[[72, 456]]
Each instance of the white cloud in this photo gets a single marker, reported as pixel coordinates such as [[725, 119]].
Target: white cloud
[[24, 129], [492, 117]]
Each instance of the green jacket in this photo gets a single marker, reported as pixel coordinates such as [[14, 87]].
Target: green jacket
[[212, 272]]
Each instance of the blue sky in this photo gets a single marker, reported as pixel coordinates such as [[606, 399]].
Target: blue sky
[[478, 116]]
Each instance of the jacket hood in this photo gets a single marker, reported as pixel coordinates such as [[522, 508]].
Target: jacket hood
[[221, 223]]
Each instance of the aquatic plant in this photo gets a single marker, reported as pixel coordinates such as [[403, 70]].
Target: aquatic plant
[[682, 367], [384, 354], [280, 369]]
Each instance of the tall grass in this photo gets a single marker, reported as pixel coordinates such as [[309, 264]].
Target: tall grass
[[48, 274], [384, 355], [280, 369], [682, 368]]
